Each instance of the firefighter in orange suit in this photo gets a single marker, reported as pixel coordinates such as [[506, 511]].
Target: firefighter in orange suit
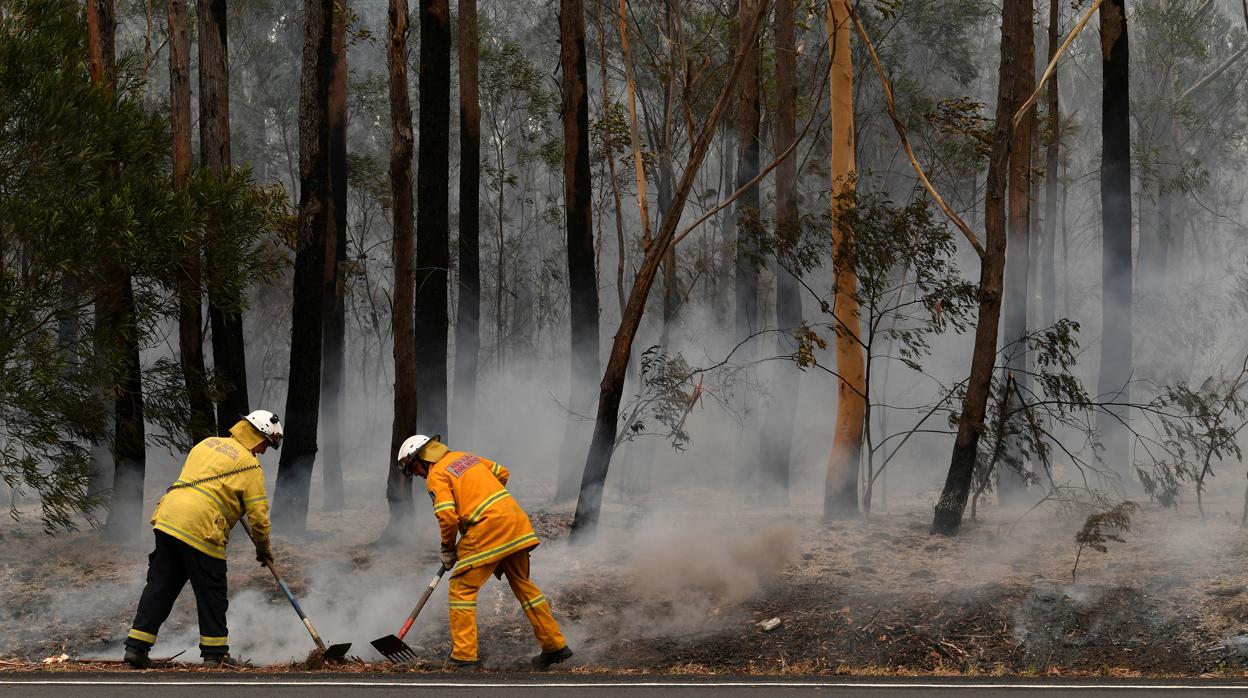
[[494, 537]]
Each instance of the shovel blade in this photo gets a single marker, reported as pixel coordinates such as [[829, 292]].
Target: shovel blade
[[337, 653], [394, 649]]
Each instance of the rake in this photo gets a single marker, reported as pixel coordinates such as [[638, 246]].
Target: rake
[[322, 654], [392, 647]]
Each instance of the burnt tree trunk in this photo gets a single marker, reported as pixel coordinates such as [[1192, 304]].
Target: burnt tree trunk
[[398, 485], [334, 332], [118, 341], [777, 436], [1048, 247], [948, 515], [1116, 270], [578, 207], [432, 233], [468, 320], [1010, 480], [224, 312], [190, 297], [746, 315], [611, 389], [303, 397]]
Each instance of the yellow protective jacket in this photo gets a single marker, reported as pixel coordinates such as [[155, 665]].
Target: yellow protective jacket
[[470, 500], [227, 481]]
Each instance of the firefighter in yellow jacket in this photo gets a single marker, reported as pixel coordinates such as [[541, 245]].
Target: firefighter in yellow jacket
[[220, 482], [494, 535]]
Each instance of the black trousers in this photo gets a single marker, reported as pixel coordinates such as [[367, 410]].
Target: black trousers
[[169, 567]]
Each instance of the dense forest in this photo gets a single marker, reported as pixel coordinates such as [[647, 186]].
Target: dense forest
[[774, 248]]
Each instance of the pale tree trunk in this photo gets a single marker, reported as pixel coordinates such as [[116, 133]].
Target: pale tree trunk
[[303, 397], [398, 485], [334, 332], [433, 254], [777, 435], [1018, 261], [947, 519], [226, 318], [1116, 267], [841, 492], [468, 320], [578, 207], [606, 424], [190, 298]]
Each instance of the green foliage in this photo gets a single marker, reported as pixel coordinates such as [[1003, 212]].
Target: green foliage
[[84, 183], [1197, 430], [1101, 528]]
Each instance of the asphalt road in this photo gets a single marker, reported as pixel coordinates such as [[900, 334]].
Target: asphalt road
[[326, 686]]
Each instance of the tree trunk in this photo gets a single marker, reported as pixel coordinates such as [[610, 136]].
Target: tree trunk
[[468, 321], [225, 314], [840, 497], [1010, 481], [303, 397], [578, 206], [1048, 250], [948, 515], [432, 235], [334, 333], [611, 389], [115, 313], [1116, 340], [398, 485], [777, 438], [190, 299], [747, 212]]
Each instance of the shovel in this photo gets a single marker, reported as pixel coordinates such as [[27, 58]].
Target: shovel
[[334, 653], [392, 647]]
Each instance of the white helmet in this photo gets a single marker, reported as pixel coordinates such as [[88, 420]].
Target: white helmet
[[268, 424], [409, 448]]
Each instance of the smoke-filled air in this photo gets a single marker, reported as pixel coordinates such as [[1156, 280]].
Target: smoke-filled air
[[702, 337]]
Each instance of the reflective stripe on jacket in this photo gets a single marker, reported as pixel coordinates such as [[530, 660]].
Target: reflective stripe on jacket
[[201, 515], [471, 502]]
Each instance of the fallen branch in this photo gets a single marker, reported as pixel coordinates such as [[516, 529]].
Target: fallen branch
[[1052, 67], [905, 140]]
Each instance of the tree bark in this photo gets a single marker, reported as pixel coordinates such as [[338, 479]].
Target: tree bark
[[334, 332], [303, 397], [841, 490], [1048, 250], [948, 514], [432, 235], [115, 312], [778, 424], [578, 207], [747, 211], [611, 389], [190, 299], [1010, 481], [225, 314], [468, 321], [1116, 266], [398, 485]]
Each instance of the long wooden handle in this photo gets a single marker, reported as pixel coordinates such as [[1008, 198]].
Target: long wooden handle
[[421, 604], [320, 644]]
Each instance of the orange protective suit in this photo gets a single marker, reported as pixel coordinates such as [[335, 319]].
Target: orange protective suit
[[494, 537]]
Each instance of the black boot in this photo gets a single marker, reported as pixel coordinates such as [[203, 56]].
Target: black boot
[[137, 658], [222, 661], [464, 664], [545, 660]]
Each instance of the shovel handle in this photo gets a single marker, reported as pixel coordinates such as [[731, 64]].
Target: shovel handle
[[421, 604], [320, 644]]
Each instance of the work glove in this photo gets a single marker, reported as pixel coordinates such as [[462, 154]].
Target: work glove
[[449, 557], [264, 554]]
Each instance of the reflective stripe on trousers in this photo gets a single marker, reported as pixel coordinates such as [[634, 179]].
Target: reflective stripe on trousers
[[462, 595]]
